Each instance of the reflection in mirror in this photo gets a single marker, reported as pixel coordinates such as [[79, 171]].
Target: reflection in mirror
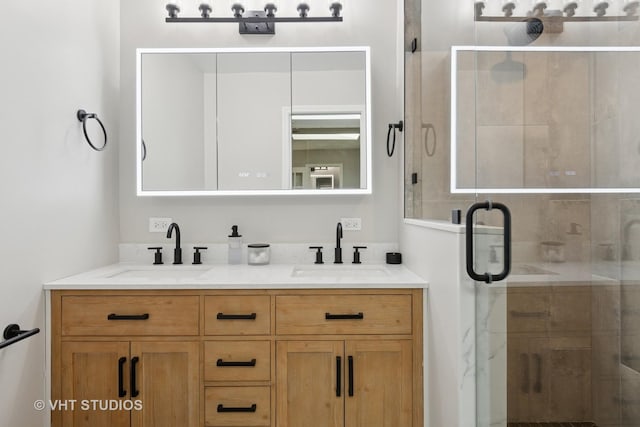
[[326, 151], [254, 92], [329, 92], [178, 94], [253, 121]]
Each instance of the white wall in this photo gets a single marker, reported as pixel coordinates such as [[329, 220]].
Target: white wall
[[435, 253], [272, 219], [59, 210]]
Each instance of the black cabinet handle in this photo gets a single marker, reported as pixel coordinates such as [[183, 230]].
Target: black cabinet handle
[[524, 358], [114, 316], [350, 376], [338, 375], [252, 408], [358, 316], [486, 277], [222, 316], [121, 391], [134, 390], [537, 386], [221, 362]]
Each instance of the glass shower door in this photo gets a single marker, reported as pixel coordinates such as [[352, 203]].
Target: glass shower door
[[544, 132]]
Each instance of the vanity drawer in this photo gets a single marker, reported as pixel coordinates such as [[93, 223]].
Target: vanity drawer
[[237, 315], [237, 360], [234, 406], [134, 315], [343, 314]]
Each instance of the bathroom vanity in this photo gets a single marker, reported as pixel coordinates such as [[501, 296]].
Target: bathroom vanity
[[239, 346]]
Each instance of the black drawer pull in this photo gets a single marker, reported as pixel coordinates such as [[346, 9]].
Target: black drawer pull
[[252, 408], [358, 316], [114, 316], [221, 362], [222, 316]]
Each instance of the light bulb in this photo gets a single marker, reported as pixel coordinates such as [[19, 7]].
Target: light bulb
[[173, 8], [205, 9]]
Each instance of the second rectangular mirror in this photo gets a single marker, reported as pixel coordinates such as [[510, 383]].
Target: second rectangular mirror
[[253, 121]]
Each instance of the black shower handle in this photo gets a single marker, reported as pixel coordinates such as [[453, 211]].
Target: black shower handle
[[486, 277]]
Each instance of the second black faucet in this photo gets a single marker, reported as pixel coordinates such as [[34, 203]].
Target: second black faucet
[[338, 250], [177, 252]]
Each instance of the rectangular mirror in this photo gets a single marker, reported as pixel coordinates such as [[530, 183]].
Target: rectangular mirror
[[253, 121]]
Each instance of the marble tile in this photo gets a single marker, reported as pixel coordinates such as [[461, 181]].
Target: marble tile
[[499, 155]]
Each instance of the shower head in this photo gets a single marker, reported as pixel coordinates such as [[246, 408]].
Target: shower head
[[525, 32], [508, 71]]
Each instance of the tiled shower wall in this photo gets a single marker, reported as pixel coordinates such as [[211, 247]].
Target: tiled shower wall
[[575, 124]]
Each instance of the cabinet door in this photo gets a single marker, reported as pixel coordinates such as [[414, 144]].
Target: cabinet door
[[166, 376], [378, 383], [90, 371], [310, 378]]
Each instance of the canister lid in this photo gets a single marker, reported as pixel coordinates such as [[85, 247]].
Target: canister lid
[[258, 245]]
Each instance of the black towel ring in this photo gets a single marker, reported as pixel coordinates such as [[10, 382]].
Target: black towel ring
[[83, 116], [429, 129], [393, 126]]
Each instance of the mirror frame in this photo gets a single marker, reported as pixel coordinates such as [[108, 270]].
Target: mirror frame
[[367, 189]]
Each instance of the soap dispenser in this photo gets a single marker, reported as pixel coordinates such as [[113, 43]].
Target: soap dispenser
[[235, 246]]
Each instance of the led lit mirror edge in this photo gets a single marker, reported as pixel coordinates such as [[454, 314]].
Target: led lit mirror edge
[[454, 95], [335, 192]]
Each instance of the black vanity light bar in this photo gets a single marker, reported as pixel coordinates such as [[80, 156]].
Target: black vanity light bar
[[254, 21], [258, 19]]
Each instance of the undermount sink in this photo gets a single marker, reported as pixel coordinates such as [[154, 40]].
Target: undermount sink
[[162, 272], [340, 271]]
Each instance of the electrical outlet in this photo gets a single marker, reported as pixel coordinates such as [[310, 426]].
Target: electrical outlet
[[159, 225], [351, 224]]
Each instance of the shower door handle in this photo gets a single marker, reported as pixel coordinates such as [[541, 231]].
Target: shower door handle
[[487, 277]]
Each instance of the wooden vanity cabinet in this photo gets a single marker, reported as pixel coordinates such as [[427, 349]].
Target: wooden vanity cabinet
[[139, 353], [361, 373], [549, 353], [240, 358], [344, 383]]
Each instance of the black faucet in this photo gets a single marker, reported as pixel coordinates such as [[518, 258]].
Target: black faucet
[[177, 252], [338, 250]]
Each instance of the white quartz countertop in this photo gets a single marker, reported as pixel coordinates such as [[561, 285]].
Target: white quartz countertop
[[130, 276]]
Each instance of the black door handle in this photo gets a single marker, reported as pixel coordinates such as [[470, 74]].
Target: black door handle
[[221, 362], [134, 390], [114, 316], [121, 391], [222, 316], [251, 408], [357, 316], [350, 376], [486, 277], [338, 375]]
